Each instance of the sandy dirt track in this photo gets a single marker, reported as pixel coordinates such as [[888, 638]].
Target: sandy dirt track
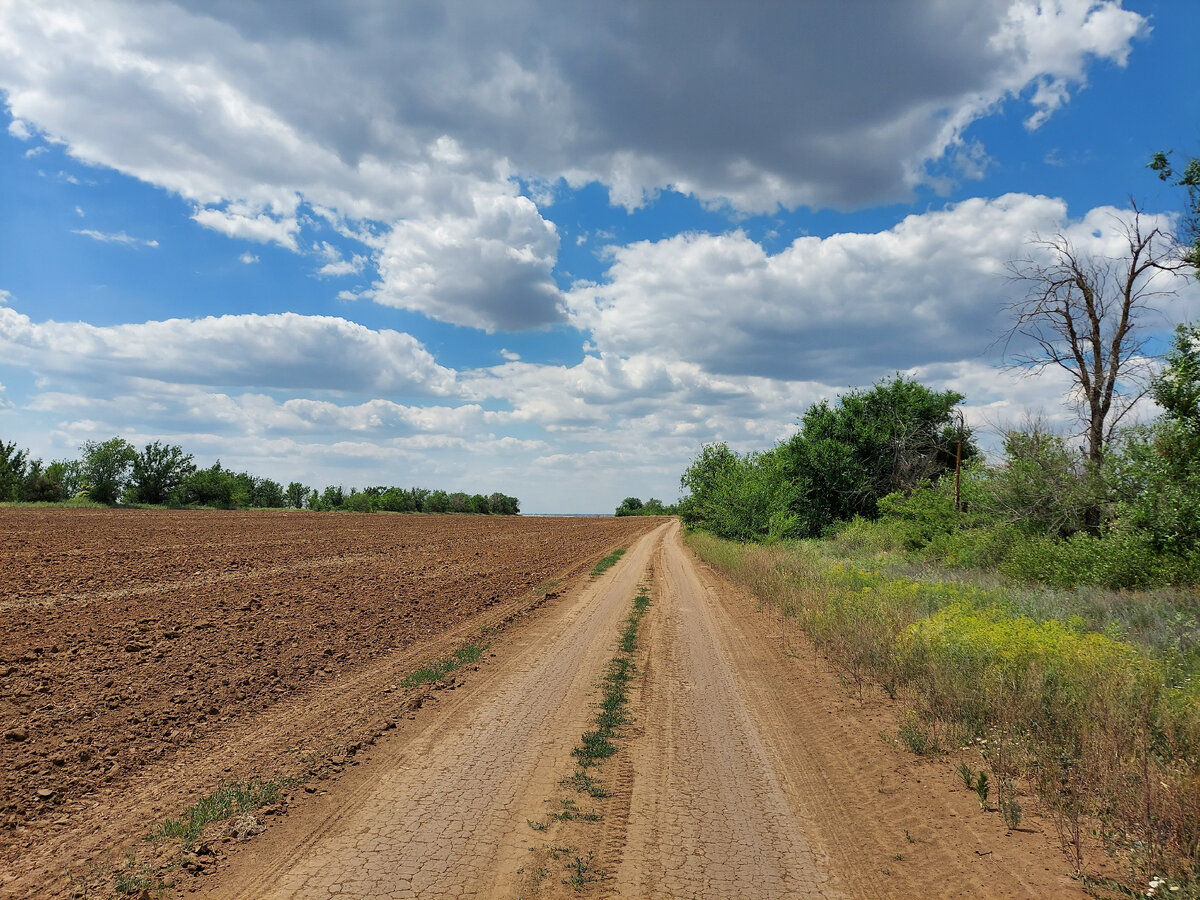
[[746, 773]]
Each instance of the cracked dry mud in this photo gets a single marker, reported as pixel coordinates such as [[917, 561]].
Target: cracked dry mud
[[744, 773]]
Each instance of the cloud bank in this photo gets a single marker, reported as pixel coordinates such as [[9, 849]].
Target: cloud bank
[[417, 117]]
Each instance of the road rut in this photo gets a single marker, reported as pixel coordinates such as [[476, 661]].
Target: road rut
[[708, 816]]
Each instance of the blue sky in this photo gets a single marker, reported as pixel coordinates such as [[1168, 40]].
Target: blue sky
[[547, 248]]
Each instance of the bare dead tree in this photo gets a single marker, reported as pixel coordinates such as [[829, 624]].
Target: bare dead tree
[[1084, 313]]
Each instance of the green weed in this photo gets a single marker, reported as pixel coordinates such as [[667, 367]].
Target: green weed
[[607, 563], [466, 654], [228, 800], [967, 774], [585, 783], [982, 789]]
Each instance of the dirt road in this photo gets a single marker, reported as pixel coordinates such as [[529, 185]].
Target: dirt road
[[742, 775]]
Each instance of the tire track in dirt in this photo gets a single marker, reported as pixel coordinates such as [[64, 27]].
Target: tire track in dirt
[[708, 815], [447, 818]]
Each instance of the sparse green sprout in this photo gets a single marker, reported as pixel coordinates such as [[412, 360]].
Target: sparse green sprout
[[1010, 809], [967, 774], [982, 790]]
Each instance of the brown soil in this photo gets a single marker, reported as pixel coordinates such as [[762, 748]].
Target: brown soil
[[748, 771], [148, 655]]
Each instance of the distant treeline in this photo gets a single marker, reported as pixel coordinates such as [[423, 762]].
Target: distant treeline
[[115, 472], [632, 506]]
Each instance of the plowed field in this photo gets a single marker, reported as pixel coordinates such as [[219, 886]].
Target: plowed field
[[145, 654]]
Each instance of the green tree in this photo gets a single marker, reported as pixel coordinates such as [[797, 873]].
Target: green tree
[[437, 502], [503, 505], [894, 437], [68, 474], [42, 484], [214, 486], [12, 472], [1189, 179], [630, 506], [158, 470], [358, 501], [107, 467], [267, 494], [295, 494], [333, 497], [1177, 387], [1155, 474], [706, 481], [396, 499]]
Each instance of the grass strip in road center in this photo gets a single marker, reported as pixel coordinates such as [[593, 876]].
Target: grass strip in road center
[[581, 869], [597, 744]]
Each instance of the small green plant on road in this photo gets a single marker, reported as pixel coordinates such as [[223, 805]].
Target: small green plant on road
[[607, 563]]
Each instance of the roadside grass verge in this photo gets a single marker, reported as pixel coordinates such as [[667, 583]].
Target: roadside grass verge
[[1103, 725], [228, 800], [466, 654], [607, 563]]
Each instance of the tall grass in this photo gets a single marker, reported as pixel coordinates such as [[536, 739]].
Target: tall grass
[[1090, 698]]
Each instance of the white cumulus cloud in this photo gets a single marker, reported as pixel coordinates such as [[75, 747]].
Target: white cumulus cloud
[[843, 309], [417, 117], [281, 351]]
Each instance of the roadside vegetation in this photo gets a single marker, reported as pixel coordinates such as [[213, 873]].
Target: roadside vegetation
[[114, 472], [239, 798], [1035, 615], [633, 506], [1042, 610]]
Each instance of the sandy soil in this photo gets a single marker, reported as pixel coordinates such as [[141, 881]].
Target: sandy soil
[[747, 772], [146, 656]]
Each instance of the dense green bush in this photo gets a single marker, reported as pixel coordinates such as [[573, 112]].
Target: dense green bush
[[633, 506], [107, 467], [897, 436], [741, 498]]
